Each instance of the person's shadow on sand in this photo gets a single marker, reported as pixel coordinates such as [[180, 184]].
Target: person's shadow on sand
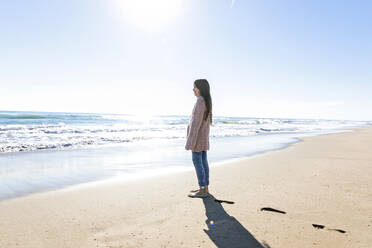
[[225, 230]]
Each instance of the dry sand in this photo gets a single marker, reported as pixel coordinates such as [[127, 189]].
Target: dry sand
[[324, 180]]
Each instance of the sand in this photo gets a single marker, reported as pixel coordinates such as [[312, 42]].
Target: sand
[[325, 180]]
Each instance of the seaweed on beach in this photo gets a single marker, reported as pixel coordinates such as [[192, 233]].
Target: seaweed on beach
[[318, 226], [273, 210], [337, 230], [329, 229]]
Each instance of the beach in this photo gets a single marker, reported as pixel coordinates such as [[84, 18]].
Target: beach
[[324, 180]]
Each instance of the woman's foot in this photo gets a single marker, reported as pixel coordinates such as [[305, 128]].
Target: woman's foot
[[197, 190]]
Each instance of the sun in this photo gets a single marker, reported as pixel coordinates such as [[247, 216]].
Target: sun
[[151, 15]]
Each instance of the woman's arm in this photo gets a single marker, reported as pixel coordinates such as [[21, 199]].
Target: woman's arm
[[195, 123]]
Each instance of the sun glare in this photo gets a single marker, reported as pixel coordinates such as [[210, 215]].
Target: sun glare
[[151, 15]]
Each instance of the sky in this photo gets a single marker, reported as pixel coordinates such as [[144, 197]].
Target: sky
[[264, 59]]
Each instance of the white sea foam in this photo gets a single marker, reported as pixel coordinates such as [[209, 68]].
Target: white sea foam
[[30, 131]]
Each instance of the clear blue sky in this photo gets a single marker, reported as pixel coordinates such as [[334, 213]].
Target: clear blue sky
[[290, 59]]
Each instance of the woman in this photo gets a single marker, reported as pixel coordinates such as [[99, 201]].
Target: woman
[[198, 135]]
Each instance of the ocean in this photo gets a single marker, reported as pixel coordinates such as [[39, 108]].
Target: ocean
[[42, 151]]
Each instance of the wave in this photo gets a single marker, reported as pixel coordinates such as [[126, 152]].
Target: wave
[[12, 117], [49, 116]]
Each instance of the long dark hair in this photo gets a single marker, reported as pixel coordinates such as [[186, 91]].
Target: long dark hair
[[203, 87]]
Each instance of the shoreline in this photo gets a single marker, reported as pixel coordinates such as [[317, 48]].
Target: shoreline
[[167, 171], [322, 180]]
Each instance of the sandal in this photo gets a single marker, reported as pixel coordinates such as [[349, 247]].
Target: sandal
[[194, 190], [198, 194]]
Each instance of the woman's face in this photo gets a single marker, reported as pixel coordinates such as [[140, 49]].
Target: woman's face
[[196, 91]]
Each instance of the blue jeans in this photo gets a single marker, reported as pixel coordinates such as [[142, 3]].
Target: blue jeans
[[201, 166]]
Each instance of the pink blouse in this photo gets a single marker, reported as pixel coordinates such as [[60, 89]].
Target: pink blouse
[[198, 128]]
